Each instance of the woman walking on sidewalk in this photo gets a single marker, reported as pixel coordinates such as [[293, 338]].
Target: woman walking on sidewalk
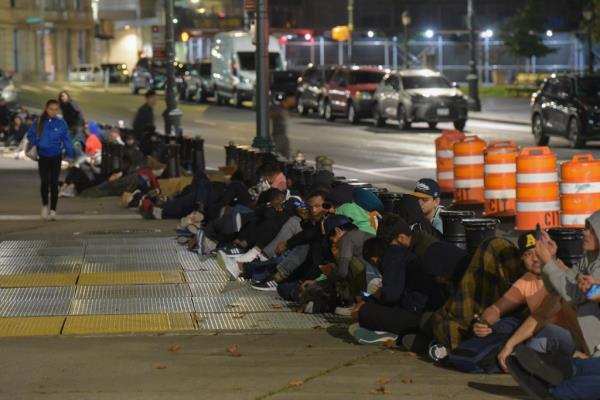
[[50, 134]]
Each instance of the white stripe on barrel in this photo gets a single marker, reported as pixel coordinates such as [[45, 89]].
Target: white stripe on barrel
[[468, 183], [500, 194], [468, 160], [580, 188], [500, 168], [547, 177], [445, 175], [574, 219], [444, 154], [538, 206]]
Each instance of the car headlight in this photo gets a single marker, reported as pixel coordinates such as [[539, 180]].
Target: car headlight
[[364, 95]]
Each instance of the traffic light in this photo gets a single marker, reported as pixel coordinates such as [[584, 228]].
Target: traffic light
[[340, 33], [185, 36]]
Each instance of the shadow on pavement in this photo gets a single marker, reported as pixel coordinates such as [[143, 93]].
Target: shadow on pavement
[[514, 392]]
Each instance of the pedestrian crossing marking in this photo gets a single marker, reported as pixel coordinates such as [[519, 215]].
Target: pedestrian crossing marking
[[128, 324], [130, 278], [35, 280], [31, 326]]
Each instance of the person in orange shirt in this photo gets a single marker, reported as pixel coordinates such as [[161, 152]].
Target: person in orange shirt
[[93, 145], [529, 290]]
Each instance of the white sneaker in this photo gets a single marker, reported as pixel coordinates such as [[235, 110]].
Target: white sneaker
[[228, 264], [52, 216], [157, 213], [44, 212], [248, 256], [67, 191], [343, 311]]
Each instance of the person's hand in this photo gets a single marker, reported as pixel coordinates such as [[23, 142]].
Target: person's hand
[[544, 251], [551, 244], [356, 309], [481, 329], [327, 269], [585, 282], [503, 355], [306, 284], [281, 247]]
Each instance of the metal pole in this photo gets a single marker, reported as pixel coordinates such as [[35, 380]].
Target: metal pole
[[312, 50], [262, 140], [440, 43], [395, 52], [43, 39], [350, 28], [386, 55], [172, 115], [590, 47], [322, 50], [472, 78], [406, 63]]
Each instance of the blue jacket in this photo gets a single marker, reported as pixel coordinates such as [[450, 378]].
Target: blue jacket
[[54, 136]]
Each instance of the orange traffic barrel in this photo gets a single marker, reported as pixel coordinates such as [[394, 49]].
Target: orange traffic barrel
[[538, 198], [468, 170], [580, 190], [444, 156], [500, 193]]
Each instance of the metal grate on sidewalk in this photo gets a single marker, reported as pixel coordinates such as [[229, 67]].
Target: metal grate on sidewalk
[[128, 286]]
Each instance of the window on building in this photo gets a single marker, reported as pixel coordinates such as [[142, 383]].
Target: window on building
[[81, 47], [78, 4], [13, 3]]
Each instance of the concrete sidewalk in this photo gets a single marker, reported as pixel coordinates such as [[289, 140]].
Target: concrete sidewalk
[[504, 110]]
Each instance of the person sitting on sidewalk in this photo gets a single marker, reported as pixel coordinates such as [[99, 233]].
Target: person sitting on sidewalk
[[16, 131], [557, 332], [342, 197], [428, 192]]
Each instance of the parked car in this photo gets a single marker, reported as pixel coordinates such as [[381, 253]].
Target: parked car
[[569, 106], [7, 89], [148, 74], [311, 86], [233, 65], [419, 96], [85, 73], [197, 82], [117, 73], [349, 93], [284, 84]]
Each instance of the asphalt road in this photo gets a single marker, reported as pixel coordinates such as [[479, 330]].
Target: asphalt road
[[383, 156]]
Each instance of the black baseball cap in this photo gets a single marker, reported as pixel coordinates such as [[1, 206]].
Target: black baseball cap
[[426, 188], [526, 241]]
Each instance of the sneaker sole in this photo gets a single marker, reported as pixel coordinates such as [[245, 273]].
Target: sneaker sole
[[514, 369], [530, 362], [262, 289], [223, 263]]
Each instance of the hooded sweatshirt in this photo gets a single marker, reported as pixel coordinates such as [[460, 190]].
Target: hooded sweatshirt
[[564, 284], [359, 216]]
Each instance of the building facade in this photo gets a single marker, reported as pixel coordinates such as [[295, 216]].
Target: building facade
[[29, 52]]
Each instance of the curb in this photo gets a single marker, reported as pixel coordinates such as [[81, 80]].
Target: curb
[[499, 120]]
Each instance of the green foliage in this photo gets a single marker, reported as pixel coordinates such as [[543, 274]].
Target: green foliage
[[523, 33], [584, 26]]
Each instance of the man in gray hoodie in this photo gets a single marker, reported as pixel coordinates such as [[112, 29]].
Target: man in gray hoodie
[[554, 375]]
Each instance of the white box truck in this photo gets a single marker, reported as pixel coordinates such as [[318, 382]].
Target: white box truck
[[234, 65]]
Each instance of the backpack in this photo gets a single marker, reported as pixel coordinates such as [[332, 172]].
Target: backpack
[[479, 354]]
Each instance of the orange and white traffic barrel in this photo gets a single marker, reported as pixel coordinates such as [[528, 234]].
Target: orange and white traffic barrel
[[580, 190], [500, 193], [538, 198], [444, 156], [469, 171]]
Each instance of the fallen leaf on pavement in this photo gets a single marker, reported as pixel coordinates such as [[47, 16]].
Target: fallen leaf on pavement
[[296, 383], [407, 380], [379, 390], [239, 316], [390, 344], [277, 306], [234, 350], [174, 348], [410, 353], [383, 381], [160, 366]]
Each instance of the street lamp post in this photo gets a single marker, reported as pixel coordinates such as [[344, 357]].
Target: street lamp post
[[472, 77], [172, 115], [43, 39], [406, 20], [262, 140], [588, 16]]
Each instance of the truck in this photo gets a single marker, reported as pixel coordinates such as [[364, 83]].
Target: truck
[[234, 66]]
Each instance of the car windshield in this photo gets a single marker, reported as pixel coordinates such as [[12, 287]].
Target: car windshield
[[588, 87], [365, 77], [247, 61], [203, 69], [425, 82]]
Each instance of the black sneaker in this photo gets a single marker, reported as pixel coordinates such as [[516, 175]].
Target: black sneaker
[[416, 343], [551, 368], [268, 286], [535, 387], [232, 251]]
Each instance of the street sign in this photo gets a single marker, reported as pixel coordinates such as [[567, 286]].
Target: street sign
[[250, 5], [159, 46], [33, 20]]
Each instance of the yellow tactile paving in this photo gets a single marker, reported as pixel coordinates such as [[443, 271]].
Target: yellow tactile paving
[[35, 280], [30, 326], [130, 278], [126, 324]]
